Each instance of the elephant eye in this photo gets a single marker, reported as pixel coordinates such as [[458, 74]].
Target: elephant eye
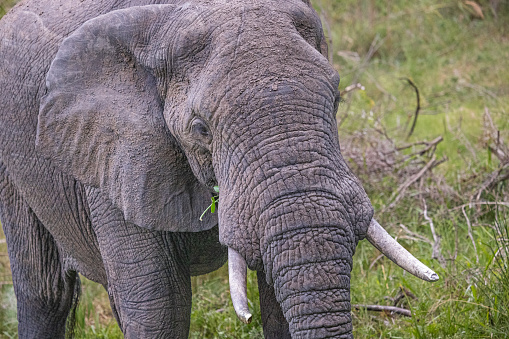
[[199, 128]]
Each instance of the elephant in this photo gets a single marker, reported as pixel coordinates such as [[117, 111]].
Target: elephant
[[117, 121]]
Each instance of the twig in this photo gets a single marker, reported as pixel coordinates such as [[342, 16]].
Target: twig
[[492, 134], [437, 254], [481, 90], [493, 179], [353, 87], [401, 189], [470, 204], [416, 235], [498, 153], [380, 308], [415, 239], [402, 295], [416, 114], [470, 234], [376, 260], [429, 145]]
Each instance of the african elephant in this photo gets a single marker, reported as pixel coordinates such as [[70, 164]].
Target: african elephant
[[117, 120]]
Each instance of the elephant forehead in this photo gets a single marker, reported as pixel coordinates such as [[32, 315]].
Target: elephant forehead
[[220, 24]]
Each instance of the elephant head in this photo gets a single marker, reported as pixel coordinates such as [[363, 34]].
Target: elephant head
[[157, 104]]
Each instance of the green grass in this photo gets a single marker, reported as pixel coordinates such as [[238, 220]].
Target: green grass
[[460, 64], [5, 5]]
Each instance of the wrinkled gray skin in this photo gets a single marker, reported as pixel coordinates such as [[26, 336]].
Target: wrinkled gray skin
[[116, 122]]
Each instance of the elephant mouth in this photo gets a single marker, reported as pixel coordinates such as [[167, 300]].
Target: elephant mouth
[[376, 235]]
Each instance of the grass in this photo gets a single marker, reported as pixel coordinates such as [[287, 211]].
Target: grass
[[460, 64]]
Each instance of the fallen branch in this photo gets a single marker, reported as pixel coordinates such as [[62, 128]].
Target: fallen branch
[[429, 145], [416, 114], [494, 178], [401, 189], [403, 294], [436, 254], [380, 308]]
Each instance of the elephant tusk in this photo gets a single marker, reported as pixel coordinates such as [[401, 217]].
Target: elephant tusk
[[237, 274], [386, 244]]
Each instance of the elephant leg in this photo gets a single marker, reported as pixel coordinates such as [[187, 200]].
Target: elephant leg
[[148, 275], [45, 293], [275, 325]]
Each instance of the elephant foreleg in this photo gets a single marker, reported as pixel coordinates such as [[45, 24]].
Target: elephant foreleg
[[148, 275], [275, 325], [44, 292]]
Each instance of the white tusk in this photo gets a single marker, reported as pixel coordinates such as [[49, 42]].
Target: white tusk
[[237, 274], [386, 244]]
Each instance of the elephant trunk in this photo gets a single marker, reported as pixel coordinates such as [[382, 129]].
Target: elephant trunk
[[316, 313], [310, 272]]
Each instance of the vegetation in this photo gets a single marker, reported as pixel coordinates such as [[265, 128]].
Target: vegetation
[[442, 190], [5, 5]]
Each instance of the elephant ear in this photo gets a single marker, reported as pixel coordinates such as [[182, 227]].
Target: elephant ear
[[101, 120]]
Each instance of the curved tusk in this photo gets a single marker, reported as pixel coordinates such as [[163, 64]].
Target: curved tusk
[[386, 244], [237, 274]]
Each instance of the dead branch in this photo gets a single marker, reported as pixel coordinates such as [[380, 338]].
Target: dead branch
[[491, 138], [502, 157], [376, 260], [476, 203], [436, 254], [416, 236], [416, 114], [381, 308], [429, 145], [353, 87], [402, 295], [401, 189], [499, 175]]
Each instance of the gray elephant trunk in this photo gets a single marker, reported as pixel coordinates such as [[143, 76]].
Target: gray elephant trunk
[[309, 267]]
